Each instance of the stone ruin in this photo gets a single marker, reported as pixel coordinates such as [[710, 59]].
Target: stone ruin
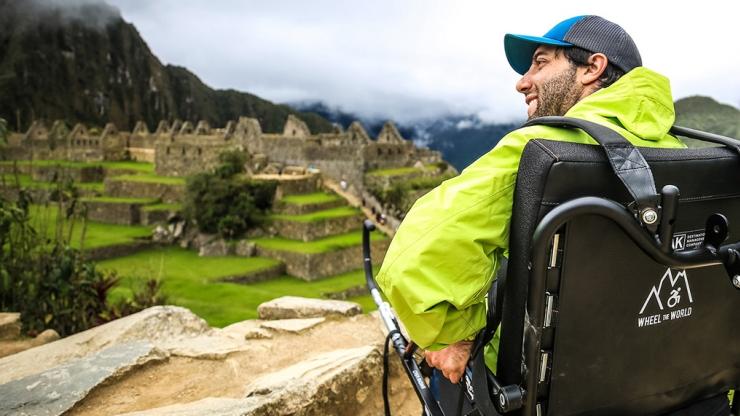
[[180, 148]]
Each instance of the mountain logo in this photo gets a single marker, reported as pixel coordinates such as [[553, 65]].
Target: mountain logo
[[668, 300]]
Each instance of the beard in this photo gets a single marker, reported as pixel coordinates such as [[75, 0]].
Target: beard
[[557, 95]]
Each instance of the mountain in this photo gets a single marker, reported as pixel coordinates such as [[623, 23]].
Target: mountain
[[461, 138], [81, 62], [704, 113]]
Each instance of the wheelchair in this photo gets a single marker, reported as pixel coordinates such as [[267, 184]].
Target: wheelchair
[[617, 299]]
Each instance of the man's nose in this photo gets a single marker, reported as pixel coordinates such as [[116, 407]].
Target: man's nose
[[524, 84]]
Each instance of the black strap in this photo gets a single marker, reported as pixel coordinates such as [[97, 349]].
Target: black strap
[[627, 162], [478, 363]]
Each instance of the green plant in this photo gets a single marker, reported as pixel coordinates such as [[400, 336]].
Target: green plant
[[3, 131], [232, 163], [222, 202], [47, 279]]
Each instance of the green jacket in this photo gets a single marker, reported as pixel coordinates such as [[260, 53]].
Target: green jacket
[[446, 252]]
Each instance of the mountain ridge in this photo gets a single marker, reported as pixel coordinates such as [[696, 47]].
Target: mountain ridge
[[84, 63]]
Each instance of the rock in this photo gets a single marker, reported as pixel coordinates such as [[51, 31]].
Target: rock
[[246, 330], [18, 345], [292, 325], [202, 347], [220, 406], [160, 235], [158, 325], [257, 333], [324, 384], [288, 307], [56, 390], [10, 325], [245, 248], [215, 248]]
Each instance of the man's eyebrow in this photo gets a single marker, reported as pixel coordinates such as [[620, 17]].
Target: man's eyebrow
[[538, 54]]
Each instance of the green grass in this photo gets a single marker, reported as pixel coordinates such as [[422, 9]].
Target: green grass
[[314, 198], [151, 178], [162, 207], [394, 171], [26, 181], [338, 212], [115, 200], [96, 234], [128, 165], [192, 282], [323, 245]]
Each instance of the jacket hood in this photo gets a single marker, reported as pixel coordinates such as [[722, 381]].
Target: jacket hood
[[640, 102]]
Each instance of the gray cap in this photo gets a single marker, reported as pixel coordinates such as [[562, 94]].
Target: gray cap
[[593, 33]]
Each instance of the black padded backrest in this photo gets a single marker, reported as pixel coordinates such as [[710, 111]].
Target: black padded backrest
[[596, 365]]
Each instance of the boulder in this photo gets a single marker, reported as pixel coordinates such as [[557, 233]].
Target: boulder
[[330, 383], [292, 325], [291, 307], [245, 248], [56, 390], [159, 325], [215, 248], [10, 325]]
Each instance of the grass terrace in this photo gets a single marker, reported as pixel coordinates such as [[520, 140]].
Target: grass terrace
[[193, 282], [26, 181], [162, 207], [338, 212], [151, 178], [323, 245], [314, 198], [394, 171], [115, 200], [142, 167], [96, 234]]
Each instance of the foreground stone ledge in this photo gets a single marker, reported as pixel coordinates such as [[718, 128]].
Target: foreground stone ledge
[[57, 390], [157, 325], [293, 307]]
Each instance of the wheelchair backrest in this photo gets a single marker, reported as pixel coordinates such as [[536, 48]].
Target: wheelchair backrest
[[608, 330]]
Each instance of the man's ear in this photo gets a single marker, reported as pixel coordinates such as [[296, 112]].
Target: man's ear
[[596, 66]]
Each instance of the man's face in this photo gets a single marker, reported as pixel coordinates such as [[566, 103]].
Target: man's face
[[550, 87]]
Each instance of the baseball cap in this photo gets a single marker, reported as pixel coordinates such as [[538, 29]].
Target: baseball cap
[[592, 33]]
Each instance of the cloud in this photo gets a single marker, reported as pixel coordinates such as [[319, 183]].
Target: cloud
[[94, 14], [417, 58]]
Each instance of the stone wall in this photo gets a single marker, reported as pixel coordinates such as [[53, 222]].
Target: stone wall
[[118, 250], [77, 174], [113, 212], [309, 231], [313, 266], [130, 189], [298, 209]]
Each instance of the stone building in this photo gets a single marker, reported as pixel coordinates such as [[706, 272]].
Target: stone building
[[181, 148]]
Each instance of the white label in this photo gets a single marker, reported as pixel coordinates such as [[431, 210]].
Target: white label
[[668, 300]]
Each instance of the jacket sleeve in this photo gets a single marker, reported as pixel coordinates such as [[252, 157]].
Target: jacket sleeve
[[445, 254]]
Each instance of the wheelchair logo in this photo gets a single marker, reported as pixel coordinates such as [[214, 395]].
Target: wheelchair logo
[[669, 300]]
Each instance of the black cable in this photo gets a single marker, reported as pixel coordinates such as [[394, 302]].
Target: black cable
[[386, 403]]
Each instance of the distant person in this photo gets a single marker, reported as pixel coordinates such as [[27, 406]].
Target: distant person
[[448, 248], [343, 184]]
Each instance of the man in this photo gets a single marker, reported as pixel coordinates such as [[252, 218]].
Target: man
[[446, 252]]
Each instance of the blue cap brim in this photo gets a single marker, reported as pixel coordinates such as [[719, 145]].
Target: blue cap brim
[[520, 48]]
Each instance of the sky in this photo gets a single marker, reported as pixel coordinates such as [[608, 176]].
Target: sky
[[419, 59]]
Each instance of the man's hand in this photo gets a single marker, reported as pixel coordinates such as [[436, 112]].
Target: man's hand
[[451, 361]]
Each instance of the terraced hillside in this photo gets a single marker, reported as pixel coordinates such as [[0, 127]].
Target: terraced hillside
[[311, 247]]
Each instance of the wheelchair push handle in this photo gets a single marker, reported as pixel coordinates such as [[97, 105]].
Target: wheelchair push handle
[[404, 349]]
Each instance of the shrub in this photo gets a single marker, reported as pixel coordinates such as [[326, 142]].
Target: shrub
[[50, 283], [222, 202]]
